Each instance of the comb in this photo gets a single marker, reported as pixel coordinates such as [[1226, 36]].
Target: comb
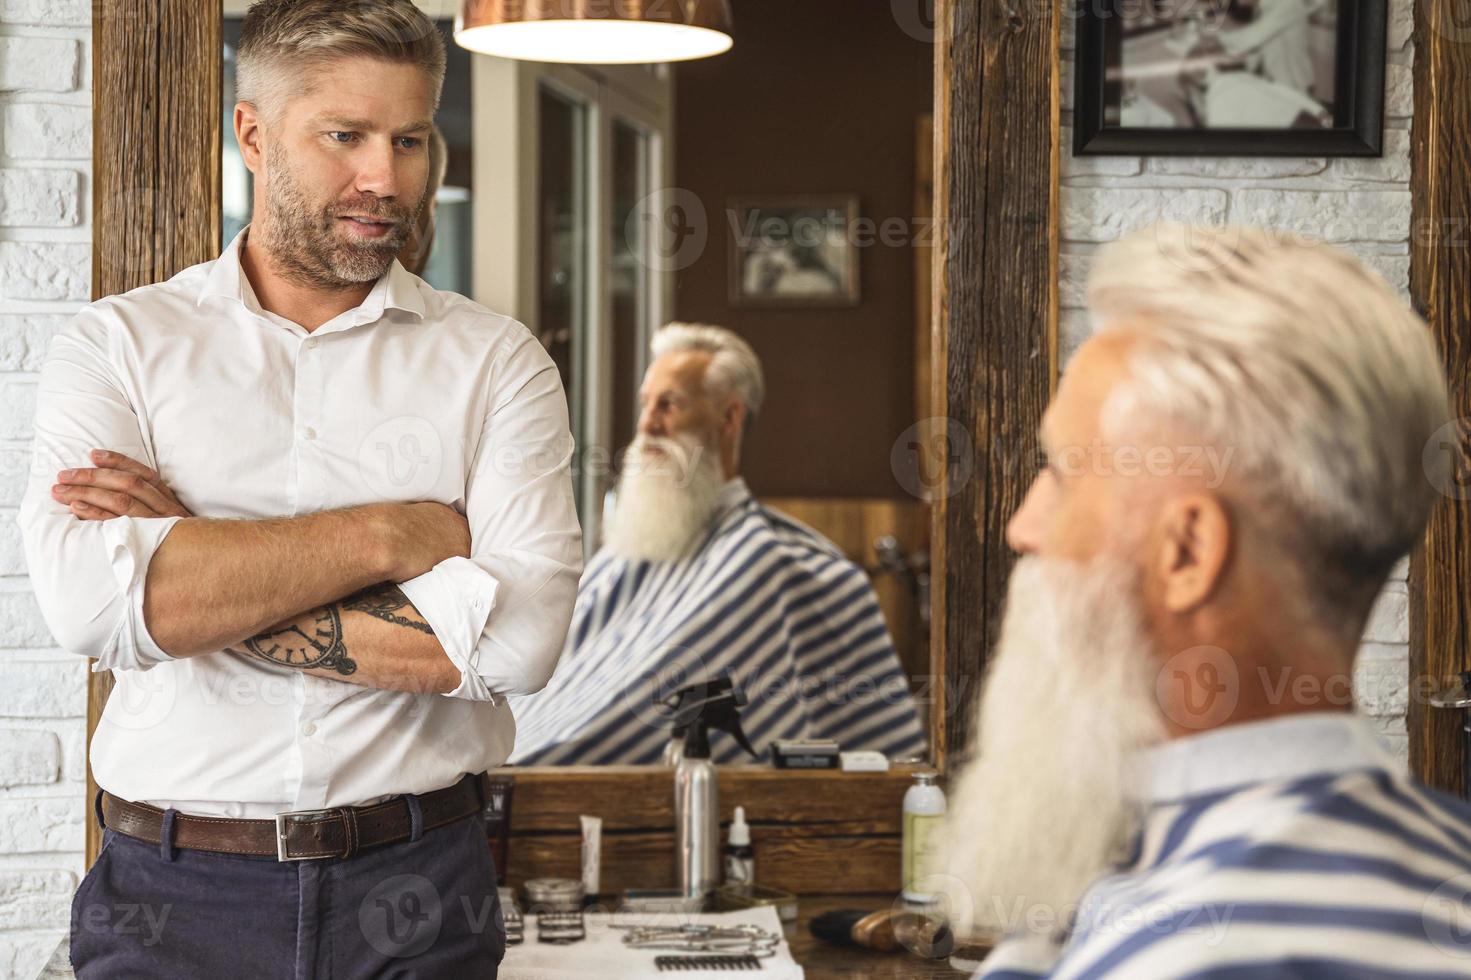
[[744, 962]]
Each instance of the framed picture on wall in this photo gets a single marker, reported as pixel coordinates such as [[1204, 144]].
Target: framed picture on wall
[[794, 251], [1230, 77]]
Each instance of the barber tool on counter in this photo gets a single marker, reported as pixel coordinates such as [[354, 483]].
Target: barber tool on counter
[[696, 709], [923, 933], [805, 753], [557, 905], [667, 963], [627, 945], [741, 939], [511, 913]]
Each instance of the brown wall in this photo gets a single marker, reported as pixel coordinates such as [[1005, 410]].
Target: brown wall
[[817, 97]]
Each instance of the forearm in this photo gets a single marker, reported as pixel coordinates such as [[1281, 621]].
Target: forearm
[[374, 637], [213, 583]]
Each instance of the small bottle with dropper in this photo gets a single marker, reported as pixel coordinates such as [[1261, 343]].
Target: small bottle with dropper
[[740, 859]]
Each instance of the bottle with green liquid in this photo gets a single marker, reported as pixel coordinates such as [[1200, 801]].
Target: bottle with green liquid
[[923, 847]]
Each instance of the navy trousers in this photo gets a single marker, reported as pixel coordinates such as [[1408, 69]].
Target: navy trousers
[[421, 909]]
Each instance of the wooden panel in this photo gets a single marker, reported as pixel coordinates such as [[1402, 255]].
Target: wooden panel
[[1440, 282], [996, 323], [803, 841], [924, 264], [804, 863], [642, 797], [156, 89]]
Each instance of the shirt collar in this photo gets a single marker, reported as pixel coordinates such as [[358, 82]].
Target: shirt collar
[[1273, 750], [396, 289], [732, 492]]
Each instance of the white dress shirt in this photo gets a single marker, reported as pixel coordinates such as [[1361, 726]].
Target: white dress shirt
[[416, 394]]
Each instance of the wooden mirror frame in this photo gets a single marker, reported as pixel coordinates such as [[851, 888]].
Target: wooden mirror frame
[[156, 201]]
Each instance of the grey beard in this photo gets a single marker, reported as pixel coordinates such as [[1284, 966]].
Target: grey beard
[[303, 240], [1044, 806], [665, 505]]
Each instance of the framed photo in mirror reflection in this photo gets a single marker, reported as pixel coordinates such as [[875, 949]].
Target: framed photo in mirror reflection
[[794, 251]]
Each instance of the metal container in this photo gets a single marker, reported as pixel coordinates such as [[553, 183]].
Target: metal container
[[553, 895], [696, 826]]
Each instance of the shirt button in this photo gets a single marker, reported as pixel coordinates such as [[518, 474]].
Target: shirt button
[[311, 343], [310, 728], [311, 433]]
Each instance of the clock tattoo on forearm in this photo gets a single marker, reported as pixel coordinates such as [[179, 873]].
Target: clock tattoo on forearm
[[383, 601], [315, 639], [314, 642]]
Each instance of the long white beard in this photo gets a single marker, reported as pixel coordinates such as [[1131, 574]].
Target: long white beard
[[666, 502], [1044, 806]]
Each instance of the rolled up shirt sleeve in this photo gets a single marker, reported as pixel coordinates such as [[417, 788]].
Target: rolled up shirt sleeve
[[502, 614], [87, 576]]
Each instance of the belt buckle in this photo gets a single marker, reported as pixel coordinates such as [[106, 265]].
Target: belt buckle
[[281, 819]]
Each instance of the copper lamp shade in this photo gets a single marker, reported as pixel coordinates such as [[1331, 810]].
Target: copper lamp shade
[[607, 32]]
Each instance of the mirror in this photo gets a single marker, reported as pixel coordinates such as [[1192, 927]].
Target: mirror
[[781, 191]]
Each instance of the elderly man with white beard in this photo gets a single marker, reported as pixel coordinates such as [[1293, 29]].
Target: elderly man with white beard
[[1168, 777], [697, 580]]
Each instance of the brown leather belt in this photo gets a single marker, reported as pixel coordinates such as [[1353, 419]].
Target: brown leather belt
[[301, 835]]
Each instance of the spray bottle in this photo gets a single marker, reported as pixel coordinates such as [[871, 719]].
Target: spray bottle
[[695, 710]]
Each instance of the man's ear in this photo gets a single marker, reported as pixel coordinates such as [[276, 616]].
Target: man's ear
[[733, 417], [248, 135], [1194, 545]]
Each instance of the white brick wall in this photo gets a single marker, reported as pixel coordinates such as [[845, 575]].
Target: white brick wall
[[1361, 204], [45, 263]]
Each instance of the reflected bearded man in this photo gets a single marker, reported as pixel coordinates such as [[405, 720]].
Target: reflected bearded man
[[1168, 776], [697, 580]]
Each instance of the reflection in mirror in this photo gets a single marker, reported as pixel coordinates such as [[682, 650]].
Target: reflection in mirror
[[727, 261]]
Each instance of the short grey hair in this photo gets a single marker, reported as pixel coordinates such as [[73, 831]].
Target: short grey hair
[[280, 39], [734, 367], [1322, 380]]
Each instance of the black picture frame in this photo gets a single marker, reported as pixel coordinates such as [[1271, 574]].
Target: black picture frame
[[1358, 110]]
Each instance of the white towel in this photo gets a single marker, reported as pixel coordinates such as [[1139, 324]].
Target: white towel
[[604, 956]]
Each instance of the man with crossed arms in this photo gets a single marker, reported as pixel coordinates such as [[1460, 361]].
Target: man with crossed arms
[[317, 519]]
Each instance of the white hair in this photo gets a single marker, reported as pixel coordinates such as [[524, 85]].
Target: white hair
[[734, 367], [1323, 382]]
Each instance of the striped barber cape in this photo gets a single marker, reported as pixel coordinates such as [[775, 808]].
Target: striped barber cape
[[1292, 847], [762, 598]]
